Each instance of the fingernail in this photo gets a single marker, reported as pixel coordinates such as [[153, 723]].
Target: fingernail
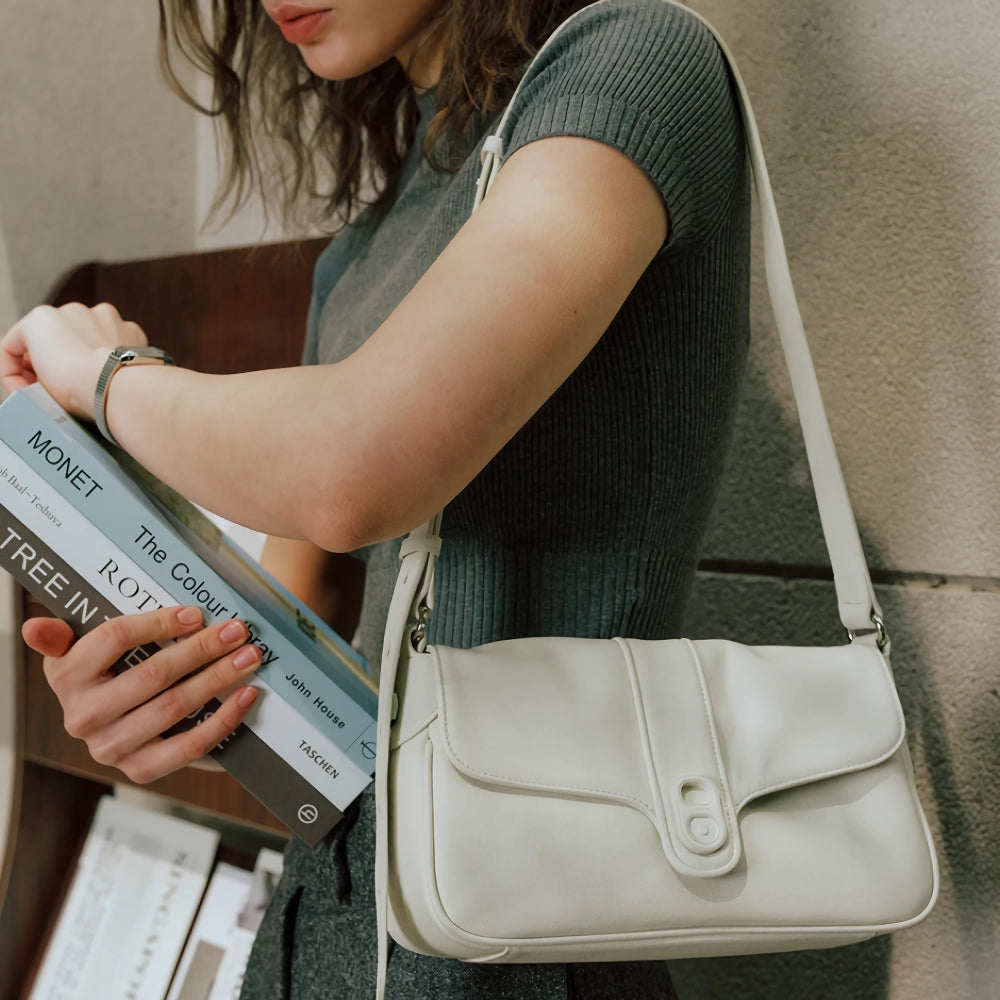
[[188, 616], [247, 696], [246, 657], [232, 631]]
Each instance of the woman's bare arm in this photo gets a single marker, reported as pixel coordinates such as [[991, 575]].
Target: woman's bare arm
[[356, 452]]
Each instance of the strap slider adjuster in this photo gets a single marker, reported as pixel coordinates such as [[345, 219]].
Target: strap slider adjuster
[[492, 146], [881, 635]]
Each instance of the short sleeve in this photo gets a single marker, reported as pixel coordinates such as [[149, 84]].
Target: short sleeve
[[327, 271], [648, 78]]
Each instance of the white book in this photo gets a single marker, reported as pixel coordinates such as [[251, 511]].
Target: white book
[[132, 899], [228, 981], [225, 899]]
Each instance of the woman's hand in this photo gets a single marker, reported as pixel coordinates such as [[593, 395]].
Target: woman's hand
[[65, 349], [121, 716]]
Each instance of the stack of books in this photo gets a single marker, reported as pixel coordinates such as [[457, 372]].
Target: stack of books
[[214, 960], [151, 913], [133, 896], [91, 534]]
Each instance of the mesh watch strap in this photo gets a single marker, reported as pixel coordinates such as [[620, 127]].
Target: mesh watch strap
[[119, 358]]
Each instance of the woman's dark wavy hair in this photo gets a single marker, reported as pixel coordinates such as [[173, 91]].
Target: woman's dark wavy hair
[[342, 142]]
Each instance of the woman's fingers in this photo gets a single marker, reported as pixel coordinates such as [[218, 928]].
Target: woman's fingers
[[158, 757], [93, 654], [162, 671], [48, 636], [65, 348], [120, 717], [15, 364], [189, 697], [92, 707], [117, 741]]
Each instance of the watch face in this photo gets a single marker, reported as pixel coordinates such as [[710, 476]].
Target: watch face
[[125, 355]]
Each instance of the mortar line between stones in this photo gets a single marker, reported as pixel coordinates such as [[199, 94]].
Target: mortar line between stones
[[880, 577]]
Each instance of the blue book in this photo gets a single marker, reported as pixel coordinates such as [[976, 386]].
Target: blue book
[[188, 557]]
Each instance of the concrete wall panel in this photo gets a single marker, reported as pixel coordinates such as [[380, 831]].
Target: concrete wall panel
[[880, 124], [944, 659], [98, 155]]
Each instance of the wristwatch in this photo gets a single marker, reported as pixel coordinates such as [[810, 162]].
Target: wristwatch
[[119, 358]]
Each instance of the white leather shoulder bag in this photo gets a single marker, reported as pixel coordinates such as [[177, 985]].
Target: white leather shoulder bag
[[561, 799]]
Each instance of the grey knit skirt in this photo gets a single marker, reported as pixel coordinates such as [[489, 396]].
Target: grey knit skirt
[[317, 942]]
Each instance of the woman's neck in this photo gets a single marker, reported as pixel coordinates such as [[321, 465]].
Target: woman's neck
[[422, 57]]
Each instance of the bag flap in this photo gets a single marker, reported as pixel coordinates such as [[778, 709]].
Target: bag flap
[[686, 732]]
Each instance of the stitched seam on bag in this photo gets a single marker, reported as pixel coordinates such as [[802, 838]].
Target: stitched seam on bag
[[722, 775], [457, 758], [647, 750], [807, 777], [414, 731], [445, 924]]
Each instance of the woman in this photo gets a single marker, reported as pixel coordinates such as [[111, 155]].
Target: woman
[[559, 370]]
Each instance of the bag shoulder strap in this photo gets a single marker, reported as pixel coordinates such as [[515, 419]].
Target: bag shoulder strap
[[412, 599]]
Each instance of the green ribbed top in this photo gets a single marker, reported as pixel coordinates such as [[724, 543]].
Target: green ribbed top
[[589, 520]]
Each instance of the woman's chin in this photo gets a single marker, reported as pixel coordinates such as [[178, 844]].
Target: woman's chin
[[331, 64]]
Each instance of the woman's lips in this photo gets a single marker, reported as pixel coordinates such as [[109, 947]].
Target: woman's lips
[[299, 24]]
